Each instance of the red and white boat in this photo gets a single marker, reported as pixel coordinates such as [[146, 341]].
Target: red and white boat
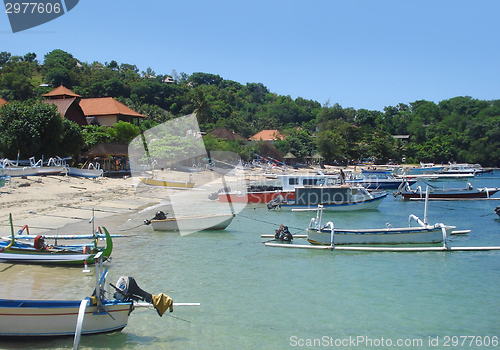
[[264, 191]]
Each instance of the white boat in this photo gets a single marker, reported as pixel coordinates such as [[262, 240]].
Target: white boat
[[92, 171], [14, 170], [319, 234], [190, 223], [92, 315], [54, 166], [461, 169]]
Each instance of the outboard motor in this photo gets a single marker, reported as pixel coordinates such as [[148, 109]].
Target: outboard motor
[[276, 202], [126, 289], [497, 210], [158, 216], [287, 236]]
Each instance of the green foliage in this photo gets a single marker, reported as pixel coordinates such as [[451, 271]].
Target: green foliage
[[461, 128], [36, 129]]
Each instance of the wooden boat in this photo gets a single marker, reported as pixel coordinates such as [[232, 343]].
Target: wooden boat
[[92, 315], [190, 223], [331, 197], [92, 171], [377, 180], [167, 183], [38, 252], [468, 192], [319, 234]]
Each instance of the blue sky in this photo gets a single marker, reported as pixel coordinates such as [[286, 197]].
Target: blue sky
[[361, 54]]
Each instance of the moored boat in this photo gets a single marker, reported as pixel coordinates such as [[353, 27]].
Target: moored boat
[[92, 315], [328, 234], [377, 180], [190, 223], [331, 197], [39, 252], [263, 192], [467, 192]]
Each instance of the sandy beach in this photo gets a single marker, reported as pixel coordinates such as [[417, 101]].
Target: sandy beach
[[49, 203]]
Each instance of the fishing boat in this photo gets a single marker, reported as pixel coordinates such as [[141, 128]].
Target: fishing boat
[[375, 180], [15, 170], [161, 222], [331, 196], [262, 192], [467, 192], [54, 166], [167, 183], [328, 234], [463, 169], [92, 315], [92, 171], [425, 168], [39, 252]]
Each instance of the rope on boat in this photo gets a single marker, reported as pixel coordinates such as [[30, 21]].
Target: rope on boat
[[270, 223]]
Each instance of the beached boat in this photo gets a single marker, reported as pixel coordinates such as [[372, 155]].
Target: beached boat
[[92, 171], [377, 180], [54, 166], [167, 183], [190, 223], [328, 234], [92, 315], [467, 192], [38, 252], [331, 197], [15, 170], [263, 192]]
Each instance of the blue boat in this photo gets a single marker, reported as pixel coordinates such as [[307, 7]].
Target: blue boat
[[377, 180]]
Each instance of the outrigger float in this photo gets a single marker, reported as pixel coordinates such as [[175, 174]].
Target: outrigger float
[[378, 236]]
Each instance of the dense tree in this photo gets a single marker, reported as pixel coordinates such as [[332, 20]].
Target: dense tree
[[36, 129]]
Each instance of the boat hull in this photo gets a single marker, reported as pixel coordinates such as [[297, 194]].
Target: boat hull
[[458, 194], [20, 172], [366, 204], [193, 223], [408, 235], [22, 318], [89, 173], [165, 183]]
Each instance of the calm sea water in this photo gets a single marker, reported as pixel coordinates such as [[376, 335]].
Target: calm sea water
[[258, 297]]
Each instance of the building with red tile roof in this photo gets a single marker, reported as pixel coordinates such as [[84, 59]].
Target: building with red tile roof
[[104, 111], [60, 93], [267, 135]]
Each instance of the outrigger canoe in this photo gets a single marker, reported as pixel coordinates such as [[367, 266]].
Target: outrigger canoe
[[92, 315], [15, 251]]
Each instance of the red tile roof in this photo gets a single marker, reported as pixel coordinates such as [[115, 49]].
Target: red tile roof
[[61, 92], [2, 102], [106, 106], [267, 135]]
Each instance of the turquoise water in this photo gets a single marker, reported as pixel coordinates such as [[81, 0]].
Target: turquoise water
[[258, 297]]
